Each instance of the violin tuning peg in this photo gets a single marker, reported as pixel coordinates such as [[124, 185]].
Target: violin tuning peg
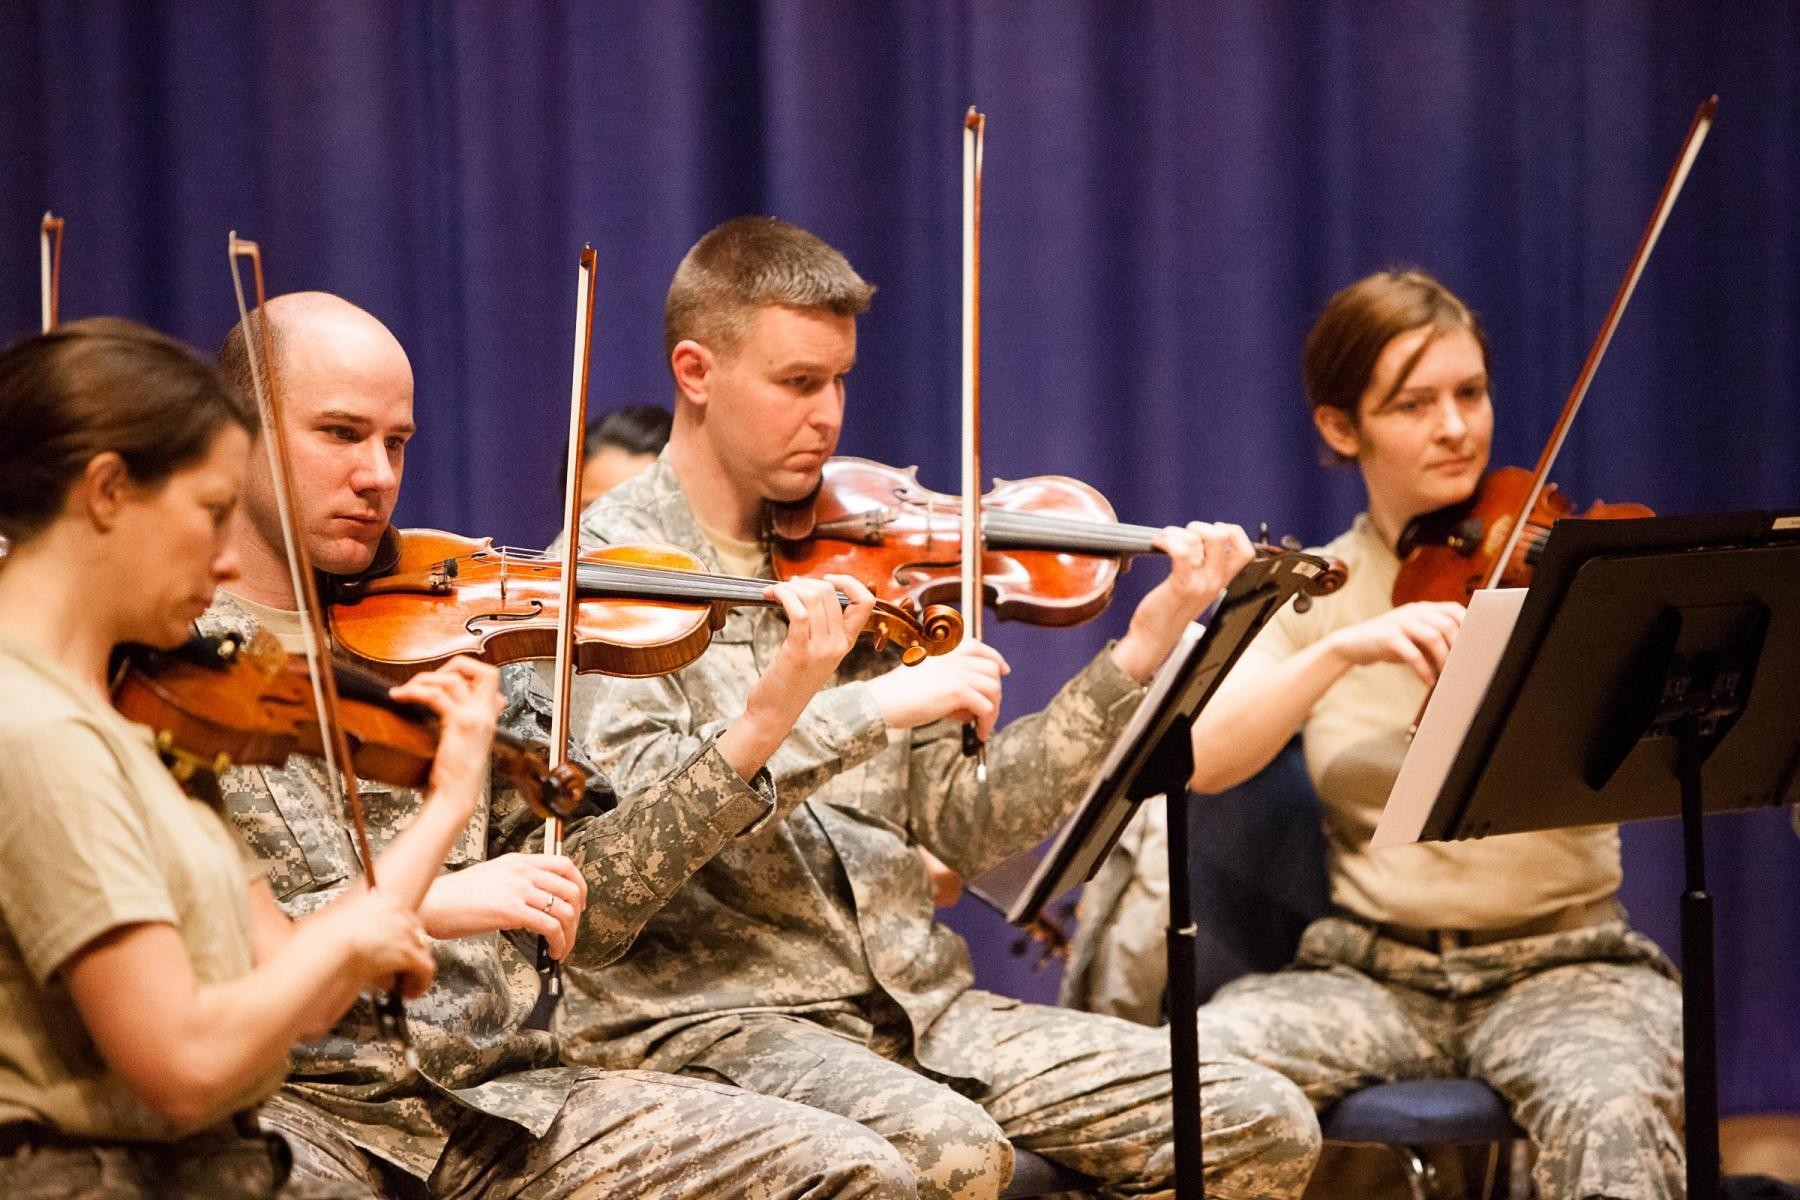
[[1290, 542], [1262, 531]]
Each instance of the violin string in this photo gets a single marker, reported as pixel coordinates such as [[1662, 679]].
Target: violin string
[[1064, 533], [653, 582]]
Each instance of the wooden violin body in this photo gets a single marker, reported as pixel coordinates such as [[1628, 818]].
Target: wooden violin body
[[1052, 553], [1452, 553], [1054, 547], [645, 609], [217, 702]]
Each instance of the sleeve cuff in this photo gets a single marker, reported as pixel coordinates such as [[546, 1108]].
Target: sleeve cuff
[[849, 722], [737, 808], [1110, 690]]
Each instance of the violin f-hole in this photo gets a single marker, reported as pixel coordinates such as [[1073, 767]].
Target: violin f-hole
[[474, 623]]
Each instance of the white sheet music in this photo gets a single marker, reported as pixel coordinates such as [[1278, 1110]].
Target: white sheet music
[[1485, 631]]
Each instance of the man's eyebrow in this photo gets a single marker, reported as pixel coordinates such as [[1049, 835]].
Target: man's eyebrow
[[361, 422], [817, 366]]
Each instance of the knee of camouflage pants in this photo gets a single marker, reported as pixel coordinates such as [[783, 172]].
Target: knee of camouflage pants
[[1261, 1136], [954, 1148], [864, 1166], [1609, 1137]]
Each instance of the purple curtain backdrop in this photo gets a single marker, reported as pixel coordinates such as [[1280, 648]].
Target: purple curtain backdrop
[[1172, 192]]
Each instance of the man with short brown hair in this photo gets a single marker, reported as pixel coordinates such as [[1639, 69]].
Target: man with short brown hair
[[805, 962]]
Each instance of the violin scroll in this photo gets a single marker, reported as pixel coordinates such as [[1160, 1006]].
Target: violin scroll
[[936, 630], [1328, 574]]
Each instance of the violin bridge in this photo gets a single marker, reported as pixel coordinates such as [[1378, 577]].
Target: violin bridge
[[866, 527]]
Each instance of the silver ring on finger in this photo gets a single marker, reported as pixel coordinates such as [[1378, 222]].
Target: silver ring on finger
[[549, 905]]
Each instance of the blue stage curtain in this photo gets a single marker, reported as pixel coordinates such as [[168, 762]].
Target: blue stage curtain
[[1172, 192]]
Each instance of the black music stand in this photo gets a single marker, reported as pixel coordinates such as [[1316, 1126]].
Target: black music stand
[[1651, 673], [1155, 757]]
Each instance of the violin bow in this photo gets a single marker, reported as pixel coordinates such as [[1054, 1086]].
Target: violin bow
[[1665, 203], [50, 238], [549, 971], [974, 132], [259, 350]]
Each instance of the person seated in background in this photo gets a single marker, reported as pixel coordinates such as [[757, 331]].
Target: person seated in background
[[150, 988], [618, 446]]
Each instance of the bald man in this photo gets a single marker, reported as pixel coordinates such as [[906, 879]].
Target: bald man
[[491, 1113]]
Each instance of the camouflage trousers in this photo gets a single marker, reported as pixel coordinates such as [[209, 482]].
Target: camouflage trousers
[[220, 1164], [1579, 1031], [1086, 1091], [621, 1134]]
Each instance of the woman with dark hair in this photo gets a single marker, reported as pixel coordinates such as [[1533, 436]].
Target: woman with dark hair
[[620, 445], [1507, 958], [149, 986]]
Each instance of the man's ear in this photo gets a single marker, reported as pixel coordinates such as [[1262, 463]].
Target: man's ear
[[103, 489], [1338, 430], [692, 365]]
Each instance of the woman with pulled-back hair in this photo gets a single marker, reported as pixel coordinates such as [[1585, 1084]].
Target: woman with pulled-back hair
[[1508, 958], [149, 986]]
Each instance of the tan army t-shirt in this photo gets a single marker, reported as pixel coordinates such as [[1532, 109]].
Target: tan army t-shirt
[[1355, 740], [96, 835]]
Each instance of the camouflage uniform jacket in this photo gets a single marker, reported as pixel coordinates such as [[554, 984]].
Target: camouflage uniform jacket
[[825, 911], [467, 1029]]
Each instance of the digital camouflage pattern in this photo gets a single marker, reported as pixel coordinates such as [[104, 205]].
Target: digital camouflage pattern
[[219, 1164], [819, 928], [1579, 1031], [1089, 1092], [476, 1059], [624, 1134]]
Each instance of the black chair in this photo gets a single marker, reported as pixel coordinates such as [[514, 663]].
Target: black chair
[[1034, 1175], [1257, 867]]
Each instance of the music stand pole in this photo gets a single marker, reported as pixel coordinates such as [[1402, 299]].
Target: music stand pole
[[1699, 1049], [1168, 775]]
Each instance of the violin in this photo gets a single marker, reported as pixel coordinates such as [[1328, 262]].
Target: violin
[[1053, 547], [219, 701], [1450, 554], [1493, 539], [644, 609]]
